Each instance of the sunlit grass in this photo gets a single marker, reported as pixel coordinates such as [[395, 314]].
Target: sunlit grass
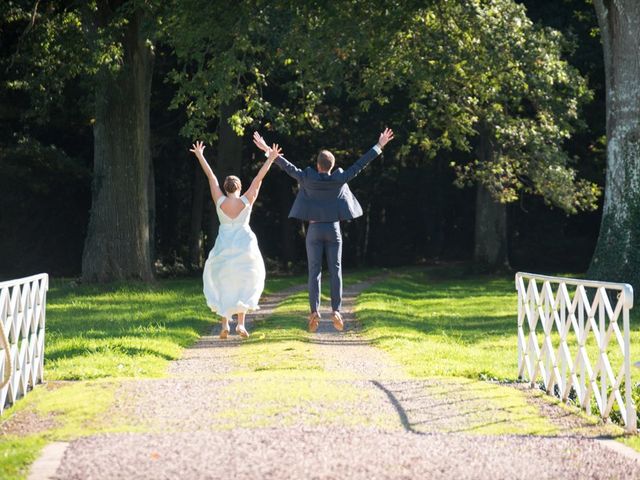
[[72, 410], [439, 324], [443, 327], [17, 453], [126, 330], [106, 332], [445, 324]]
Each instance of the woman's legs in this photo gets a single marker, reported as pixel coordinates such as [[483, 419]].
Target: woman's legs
[[224, 330], [240, 327]]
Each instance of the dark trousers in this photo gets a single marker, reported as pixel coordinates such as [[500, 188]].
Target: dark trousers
[[324, 238]]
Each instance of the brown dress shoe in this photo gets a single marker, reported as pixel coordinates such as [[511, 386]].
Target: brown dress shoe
[[337, 321], [314, 321]]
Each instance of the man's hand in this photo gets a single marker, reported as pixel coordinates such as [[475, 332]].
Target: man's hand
[[385, 137], [274, 152], [197, 148], [260, 143]]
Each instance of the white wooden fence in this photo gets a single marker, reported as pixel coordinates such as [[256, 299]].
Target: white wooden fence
[[563, 333], [22, 322]]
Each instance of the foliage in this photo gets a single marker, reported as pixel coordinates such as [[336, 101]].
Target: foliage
[[317, 74], [482, 68], [59, 44], [235, 54]]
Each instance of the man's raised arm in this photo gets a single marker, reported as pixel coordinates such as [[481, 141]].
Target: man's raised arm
[[289, 168], [353, 170]]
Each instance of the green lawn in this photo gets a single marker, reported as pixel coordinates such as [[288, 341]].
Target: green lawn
[[96, 335], [437, 325], [438, 322], [126, 330]]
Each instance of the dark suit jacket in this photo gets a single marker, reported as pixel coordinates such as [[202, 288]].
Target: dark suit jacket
[[326, 197]]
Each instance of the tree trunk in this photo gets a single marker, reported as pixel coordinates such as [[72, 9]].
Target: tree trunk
[[288, 227], [229, 161], [490, 252], [117, 242], [151, 192], [617, 254], [195, 229]]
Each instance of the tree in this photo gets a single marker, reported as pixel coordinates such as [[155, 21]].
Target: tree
[[483, 78], [617, 255], [103, 49], [117, 246], [225, 61]]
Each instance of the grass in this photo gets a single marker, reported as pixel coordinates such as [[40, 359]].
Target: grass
[[443, 326], [69, 410], [16, 453], [125, 330], [96, 336], [485, 408], [279, 343], [439, 323]]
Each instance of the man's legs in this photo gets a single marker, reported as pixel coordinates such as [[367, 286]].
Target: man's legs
[[334, 260], [314, 244]]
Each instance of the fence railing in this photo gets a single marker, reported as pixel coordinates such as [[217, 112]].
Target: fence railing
[[22, 323], [567, 325]]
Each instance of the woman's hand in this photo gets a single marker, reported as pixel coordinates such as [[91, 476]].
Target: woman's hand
[[274, 152], [197, 149], [260, 143]]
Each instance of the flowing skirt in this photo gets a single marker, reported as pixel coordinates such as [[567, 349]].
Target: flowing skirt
[[234, 272]]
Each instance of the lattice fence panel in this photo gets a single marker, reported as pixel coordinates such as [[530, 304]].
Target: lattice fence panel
[[22, 315], [569, 332]]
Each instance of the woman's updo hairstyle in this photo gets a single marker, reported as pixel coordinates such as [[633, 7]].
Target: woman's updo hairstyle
[[231, 184]]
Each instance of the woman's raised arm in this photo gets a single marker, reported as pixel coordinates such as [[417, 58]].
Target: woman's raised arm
[[198, 149], [252, 192]]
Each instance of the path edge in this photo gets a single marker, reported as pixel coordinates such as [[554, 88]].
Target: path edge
[[46, 466]]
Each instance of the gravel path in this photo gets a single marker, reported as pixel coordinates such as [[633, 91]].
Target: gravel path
[[360, 454], [361, 417]]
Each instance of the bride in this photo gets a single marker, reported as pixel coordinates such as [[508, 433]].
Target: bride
[[234, 272]]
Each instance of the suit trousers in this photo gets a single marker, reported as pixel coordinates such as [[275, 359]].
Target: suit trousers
[[324, 238]]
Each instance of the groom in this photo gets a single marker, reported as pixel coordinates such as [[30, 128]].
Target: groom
[[323, 200]]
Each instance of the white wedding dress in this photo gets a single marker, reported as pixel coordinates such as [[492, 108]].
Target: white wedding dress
[[234, 272]]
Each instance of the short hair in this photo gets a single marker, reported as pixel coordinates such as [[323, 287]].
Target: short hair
[[231, 184], [326, 160]]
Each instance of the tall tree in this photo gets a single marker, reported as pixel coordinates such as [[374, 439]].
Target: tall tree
[[481, 74], [225, 60], [103, 49], [617, 255], [118, 238]]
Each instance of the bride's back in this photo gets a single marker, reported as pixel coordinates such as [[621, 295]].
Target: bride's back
[[232, 206]]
